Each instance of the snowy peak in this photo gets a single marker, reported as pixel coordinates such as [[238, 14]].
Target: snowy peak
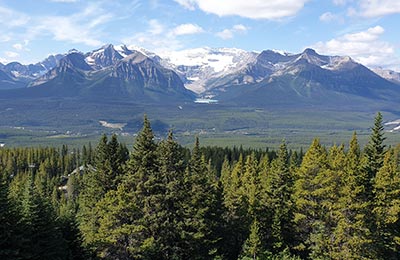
[[103, 57], [218, 60], [390, 75], [135, 58], [312, 57], [75, 60], [198, 66]]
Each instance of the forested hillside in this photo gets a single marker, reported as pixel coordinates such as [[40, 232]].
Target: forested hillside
[[160, 200]]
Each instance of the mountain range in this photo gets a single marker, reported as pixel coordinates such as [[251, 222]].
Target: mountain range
[[234, 76]]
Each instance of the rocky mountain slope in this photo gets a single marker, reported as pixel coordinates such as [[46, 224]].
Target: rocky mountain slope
[[306, 78], [229, 75], [105, 73]]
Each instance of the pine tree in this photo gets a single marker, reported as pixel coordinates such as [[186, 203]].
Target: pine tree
[[172, 194], [327, 191], [306, 198], [42, 238], [9, 235], [352, 234], [199, 206], [279, 189], [128, 215], [375, 152], [236, 211], [95, 184], [252, 248], [387, 206]]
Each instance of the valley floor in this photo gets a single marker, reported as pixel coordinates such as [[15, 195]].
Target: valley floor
[[54, 122]]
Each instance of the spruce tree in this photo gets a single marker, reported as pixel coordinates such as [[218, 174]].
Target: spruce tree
[[252, 248], [199, 206], [352, 234], [128, 215], [42, 238], [307, 200], [9, 235], [375, 151], [169, 225], [386, 206], [236, 211], [279, 185], [96, 182]]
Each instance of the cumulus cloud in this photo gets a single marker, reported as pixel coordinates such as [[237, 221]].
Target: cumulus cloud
[[187, 28], [365, 47], [21, 46], [253, 9], [230, 33], [375, 8], [225, 34]]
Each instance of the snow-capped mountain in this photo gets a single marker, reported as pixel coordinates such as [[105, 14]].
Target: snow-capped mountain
[[103, 57], [199, 67], [307, 78], [388, 74], [19, 75], [207, 71], [106, 73]]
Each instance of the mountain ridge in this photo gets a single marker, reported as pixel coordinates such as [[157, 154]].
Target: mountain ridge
[[138, 74]]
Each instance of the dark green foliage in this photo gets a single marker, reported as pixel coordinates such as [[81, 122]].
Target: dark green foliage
[[42, 239], [163, 201], [9, 237], [278, 199], [106, 174], [386, 206], [375, 150]]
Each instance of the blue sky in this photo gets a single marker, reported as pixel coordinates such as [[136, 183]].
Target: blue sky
[[367, 30]]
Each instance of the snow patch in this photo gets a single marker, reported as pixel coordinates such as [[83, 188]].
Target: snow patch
[[119, 126], [395, 123], [202, 64]]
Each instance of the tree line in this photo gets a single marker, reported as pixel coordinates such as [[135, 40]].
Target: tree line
[[163, 201]]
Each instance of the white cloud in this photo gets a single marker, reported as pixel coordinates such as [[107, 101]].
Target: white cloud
[[225, 34], [156, 38], [365, 47], [340, 2], [187, 28], [253, 9], [11, 54], [230, 33], [64, 1], [82, 27], [67, 29], [5, 38], [10, 18], [156, 27], [369, 35], [375, 8], [189, 4], [327, 17], [18, 46], [240, 27]]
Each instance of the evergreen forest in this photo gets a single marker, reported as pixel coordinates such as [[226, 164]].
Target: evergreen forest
[[159, 200]]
